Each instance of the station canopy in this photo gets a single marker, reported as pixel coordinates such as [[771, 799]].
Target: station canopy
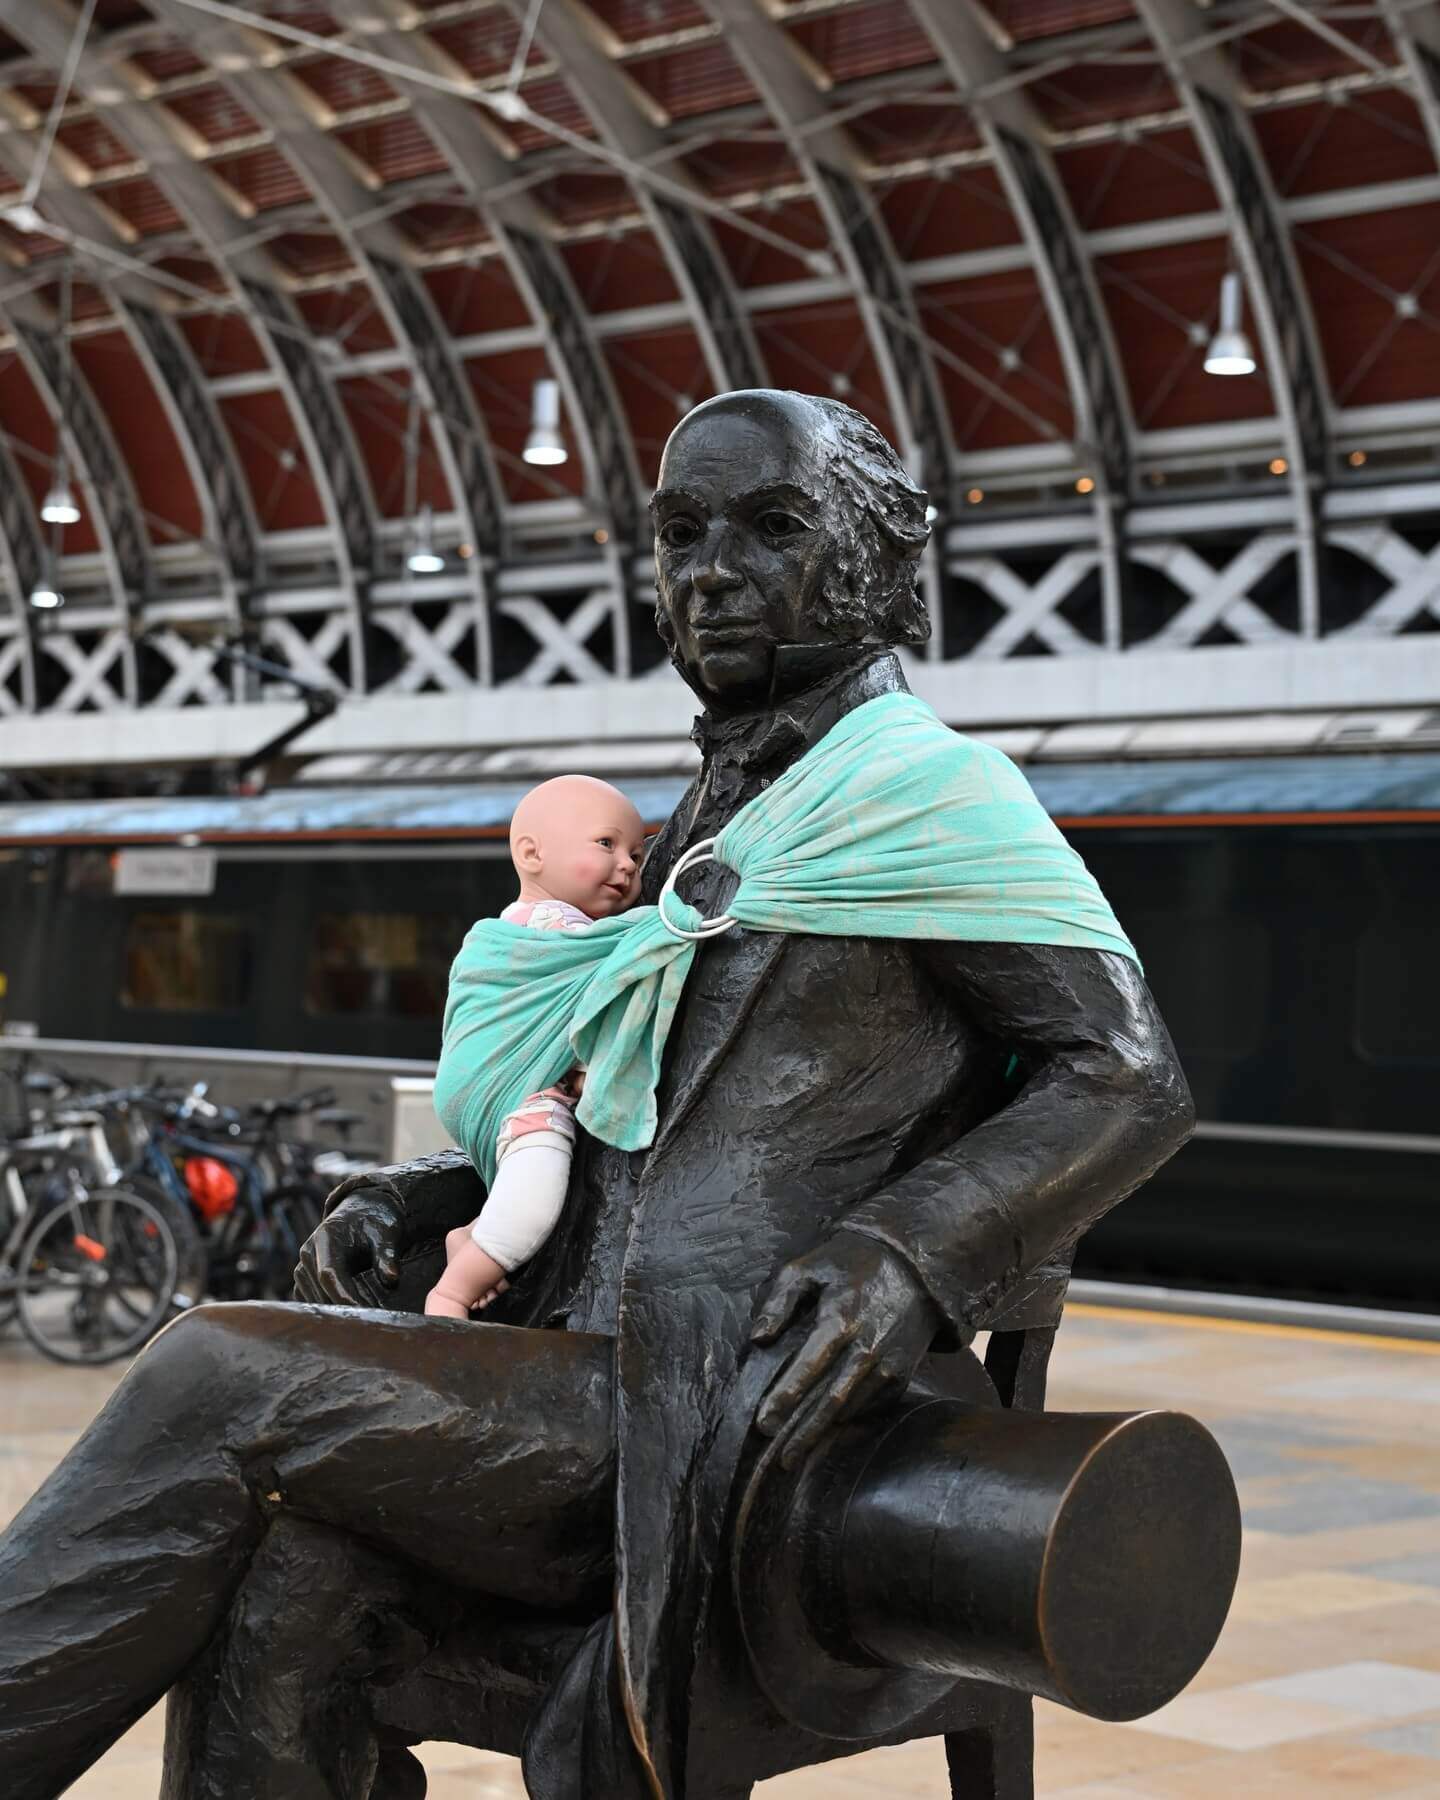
[[1001, 230]]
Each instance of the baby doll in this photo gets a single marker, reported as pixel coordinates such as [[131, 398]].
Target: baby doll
[[576, 845]]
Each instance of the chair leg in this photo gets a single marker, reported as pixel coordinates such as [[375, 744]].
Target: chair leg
[[1016, 1361], [995, 1761]]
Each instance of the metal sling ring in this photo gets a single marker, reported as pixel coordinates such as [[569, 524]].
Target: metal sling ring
[[702, 852]]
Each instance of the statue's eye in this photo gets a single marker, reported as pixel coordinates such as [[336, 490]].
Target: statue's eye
[[781, 525], [679, 533]]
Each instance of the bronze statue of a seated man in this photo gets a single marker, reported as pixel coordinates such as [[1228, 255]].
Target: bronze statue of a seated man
[[863, 1145]]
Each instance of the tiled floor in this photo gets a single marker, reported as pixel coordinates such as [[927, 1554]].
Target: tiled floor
[[1326, 1682]]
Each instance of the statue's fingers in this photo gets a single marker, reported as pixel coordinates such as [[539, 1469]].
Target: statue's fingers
[[788, 1291], [382, 1254], [803, 1371], [855, 1381], [305, 1287]]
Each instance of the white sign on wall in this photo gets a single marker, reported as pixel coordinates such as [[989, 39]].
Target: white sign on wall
[[154, 871]]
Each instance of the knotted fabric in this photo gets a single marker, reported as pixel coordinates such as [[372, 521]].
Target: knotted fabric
[[891, 826]]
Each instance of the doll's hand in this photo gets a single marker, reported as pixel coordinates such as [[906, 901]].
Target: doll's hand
[[873, 1322]]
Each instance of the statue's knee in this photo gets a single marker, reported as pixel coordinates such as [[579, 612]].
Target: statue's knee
[[203, 1352]]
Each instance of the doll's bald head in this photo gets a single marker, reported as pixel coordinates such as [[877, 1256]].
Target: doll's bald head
[[578, 840]]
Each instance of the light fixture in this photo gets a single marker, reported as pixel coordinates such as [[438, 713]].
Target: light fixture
[[1357, 459], [975, 496], [44, 598], [1230, 352], [601, 535], [1279, 466], [423, 558], [60, 506], [545, 445], [1085, 485]]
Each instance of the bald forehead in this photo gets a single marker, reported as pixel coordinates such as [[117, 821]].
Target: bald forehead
[[735, 434], [568, 799]]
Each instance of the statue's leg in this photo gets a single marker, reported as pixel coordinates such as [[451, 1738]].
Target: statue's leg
[[482, 1453], [995, 1761], [276, 1707]]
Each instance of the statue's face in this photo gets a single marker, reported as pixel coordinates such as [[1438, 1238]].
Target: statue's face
[[743, 538]]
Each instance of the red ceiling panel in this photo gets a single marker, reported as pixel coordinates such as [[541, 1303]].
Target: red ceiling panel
[[379, 414], [658, 377], [702, 78], [1024, 20], [947, 216], [31, 429], [477, 297], [1375, 354], [865, 40], [1316, 149], [1286, 53], [623, 271], [632, 19], [756, 263], [397, 149], [933, 126], [214, 114], [142, 205], [436, 225], [979, 327], [1091, 93], [740, 165], [223, 343], [196, 271], [309, 253], [503, 386], [1159, 176], [553, 101], [576, 197], [263, 177], [485, 45], [343, 86], [94, 144], [273, 458], [141, 427], [825, 350], [167, 62], [349, 316], [1153, 297]]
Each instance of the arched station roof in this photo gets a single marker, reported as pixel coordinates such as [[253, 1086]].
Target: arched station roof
[[319, 254]]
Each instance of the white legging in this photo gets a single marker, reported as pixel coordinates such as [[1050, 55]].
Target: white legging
[[525, 1199]]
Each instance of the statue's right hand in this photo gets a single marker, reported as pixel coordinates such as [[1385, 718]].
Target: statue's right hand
[[352, 1258]]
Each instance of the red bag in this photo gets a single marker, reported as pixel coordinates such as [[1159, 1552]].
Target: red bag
[[212, 1186]]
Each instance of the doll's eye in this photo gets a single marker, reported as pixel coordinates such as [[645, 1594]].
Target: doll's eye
[[606, 843], [679, 533]]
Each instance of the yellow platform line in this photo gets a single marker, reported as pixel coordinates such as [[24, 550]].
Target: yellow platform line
[[1257, 1328]]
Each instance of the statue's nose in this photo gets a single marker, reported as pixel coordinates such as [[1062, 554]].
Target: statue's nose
[[714, 570]]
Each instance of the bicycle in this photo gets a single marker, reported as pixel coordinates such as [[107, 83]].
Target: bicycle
[[91, 1269]]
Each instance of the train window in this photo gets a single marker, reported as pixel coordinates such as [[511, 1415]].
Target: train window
[[1210, 979], [372, 962], [187, 961], [1397, 993]]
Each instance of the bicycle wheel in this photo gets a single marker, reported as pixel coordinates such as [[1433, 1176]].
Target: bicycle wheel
[[96, 1276]]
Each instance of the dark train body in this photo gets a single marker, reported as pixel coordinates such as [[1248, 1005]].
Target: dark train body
[[1286, 911]]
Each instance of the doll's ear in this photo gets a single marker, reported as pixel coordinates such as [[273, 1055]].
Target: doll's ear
[[526, 853]]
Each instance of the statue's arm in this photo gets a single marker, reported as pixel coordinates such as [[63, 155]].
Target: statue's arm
[[1102, 1103], [379, 1242]]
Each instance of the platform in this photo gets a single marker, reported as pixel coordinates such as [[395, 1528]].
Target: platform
[[1327, 1679]]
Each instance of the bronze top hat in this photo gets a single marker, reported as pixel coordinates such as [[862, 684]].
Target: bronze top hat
[[1089, 1558]]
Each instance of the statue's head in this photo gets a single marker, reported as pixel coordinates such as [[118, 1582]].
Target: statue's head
[[782, 522]]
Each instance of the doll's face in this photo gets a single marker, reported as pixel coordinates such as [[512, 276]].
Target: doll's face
[[579, 840]]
